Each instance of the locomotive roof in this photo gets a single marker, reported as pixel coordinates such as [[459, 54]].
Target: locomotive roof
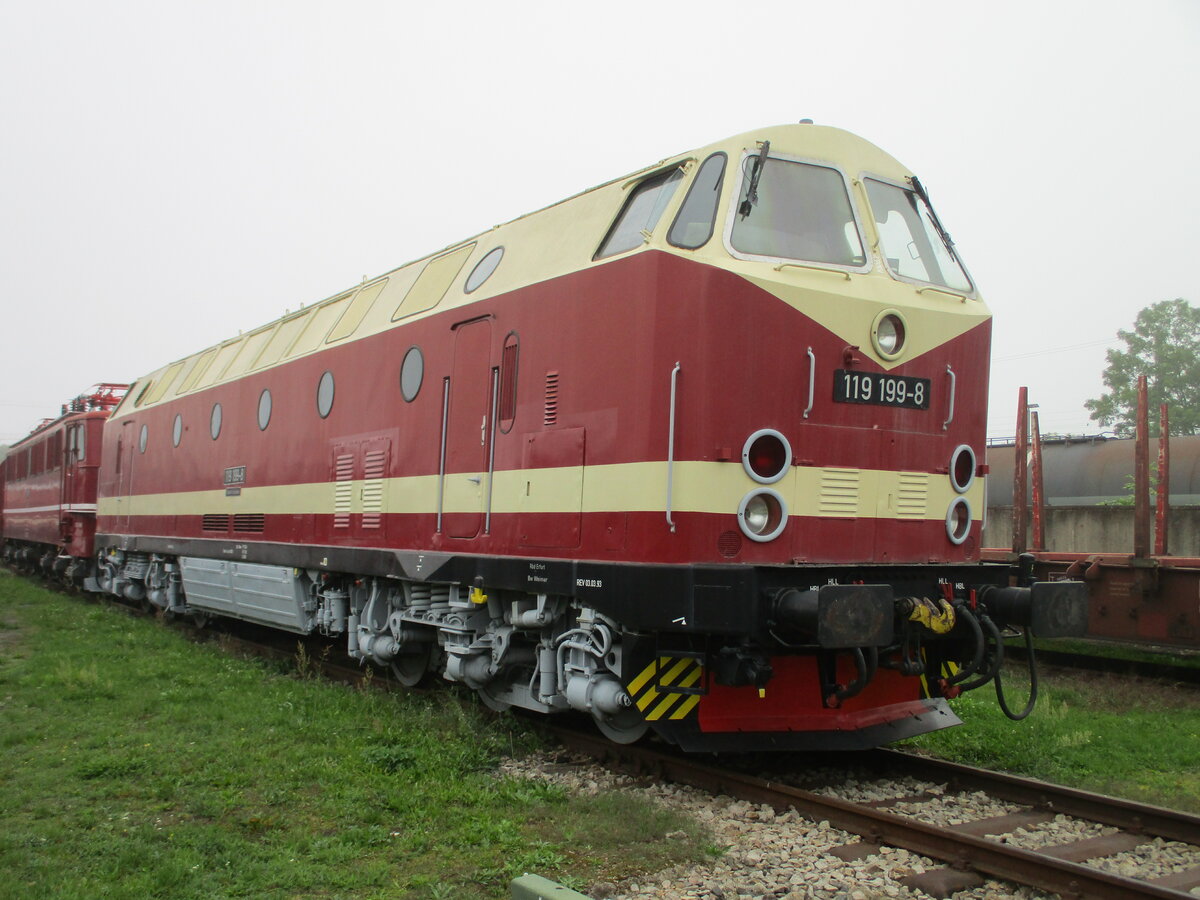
[[553, 241]]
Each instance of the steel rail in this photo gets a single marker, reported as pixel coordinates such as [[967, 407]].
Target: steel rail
[[1164, 671], [1127, 815], [963, 851]]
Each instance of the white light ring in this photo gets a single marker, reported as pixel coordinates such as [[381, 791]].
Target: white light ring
[[962, 448], [783, 515], [951, 520], [787, 449], [899, 351]]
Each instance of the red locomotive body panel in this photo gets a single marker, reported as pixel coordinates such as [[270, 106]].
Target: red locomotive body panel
[[612, 369]]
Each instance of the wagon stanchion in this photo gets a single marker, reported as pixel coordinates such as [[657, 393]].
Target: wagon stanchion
[[1141, 476], [1162, 504], [1039, 491], [1020, 506]]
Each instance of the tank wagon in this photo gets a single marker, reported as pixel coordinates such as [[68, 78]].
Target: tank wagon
[[48, 486], [1090, 470], [696, 450]]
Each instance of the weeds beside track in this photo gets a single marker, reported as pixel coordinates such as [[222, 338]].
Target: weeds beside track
[[136, 764]]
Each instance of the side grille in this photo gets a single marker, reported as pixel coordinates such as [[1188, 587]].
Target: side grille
[[551, 413], [912, 499], [508, 383], [839, 492], [250, 522], [343, 489], [215, 522], [374, 470]]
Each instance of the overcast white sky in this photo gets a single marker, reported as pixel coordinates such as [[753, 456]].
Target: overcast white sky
[[172, 173]]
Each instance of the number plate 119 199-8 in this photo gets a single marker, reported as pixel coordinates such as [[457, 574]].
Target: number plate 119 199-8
[[880, 389]]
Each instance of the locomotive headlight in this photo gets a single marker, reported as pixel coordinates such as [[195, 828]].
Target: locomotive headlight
[[958, 520], [762, 514], [757, 514], [888, 332]]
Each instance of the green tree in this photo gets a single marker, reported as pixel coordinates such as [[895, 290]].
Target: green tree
[[1165, 347]]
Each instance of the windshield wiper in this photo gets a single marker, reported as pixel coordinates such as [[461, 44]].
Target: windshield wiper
[[924, 195], [752, 192]]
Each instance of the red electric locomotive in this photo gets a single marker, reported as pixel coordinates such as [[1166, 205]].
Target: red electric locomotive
[[48, 488], [697, 450]]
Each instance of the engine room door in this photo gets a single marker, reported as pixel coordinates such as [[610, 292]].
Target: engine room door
[[468, 431], [359, 474], [125, 459]]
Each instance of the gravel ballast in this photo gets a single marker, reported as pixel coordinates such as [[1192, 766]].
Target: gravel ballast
[[784, 855]]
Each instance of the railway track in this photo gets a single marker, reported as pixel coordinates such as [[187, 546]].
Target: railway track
[[970, 849], [1100, 662]]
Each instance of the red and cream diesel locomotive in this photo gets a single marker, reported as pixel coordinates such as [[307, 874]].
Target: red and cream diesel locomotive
[[698, 450]]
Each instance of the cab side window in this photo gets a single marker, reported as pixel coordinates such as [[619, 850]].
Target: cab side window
[[694, 225], [641, 212]]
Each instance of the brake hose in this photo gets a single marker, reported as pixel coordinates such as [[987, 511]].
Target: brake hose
[[865, 667], [1033, 683], [980, 647], [993, 668]]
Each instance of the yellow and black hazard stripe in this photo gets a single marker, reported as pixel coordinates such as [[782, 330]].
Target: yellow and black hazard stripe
[[949, 670], [652, 690]]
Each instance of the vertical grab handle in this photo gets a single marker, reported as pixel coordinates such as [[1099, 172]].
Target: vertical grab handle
[[442, 452], [487, 519], [812, 380], [953, 383], [671, 446]]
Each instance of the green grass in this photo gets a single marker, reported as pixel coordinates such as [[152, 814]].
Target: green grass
[[136, 764], [1131, 738], [1186, 659]]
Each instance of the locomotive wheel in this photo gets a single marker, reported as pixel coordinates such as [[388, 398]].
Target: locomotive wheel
[[490, 699], [626, 727], [410, 668]]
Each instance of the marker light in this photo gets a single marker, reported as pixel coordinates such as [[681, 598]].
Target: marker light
[[962, 468], [766, 456]]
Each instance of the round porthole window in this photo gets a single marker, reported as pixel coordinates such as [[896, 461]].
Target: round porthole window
[[264, 410], [214, 422], [325, 395], [412, 372], [483, 269], [177, 430], [143, 438]]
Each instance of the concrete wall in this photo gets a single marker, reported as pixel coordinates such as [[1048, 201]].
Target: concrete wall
[[1096, 529]]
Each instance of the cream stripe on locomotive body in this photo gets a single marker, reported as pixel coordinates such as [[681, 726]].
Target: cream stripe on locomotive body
[[678, 415], [702, 487]]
